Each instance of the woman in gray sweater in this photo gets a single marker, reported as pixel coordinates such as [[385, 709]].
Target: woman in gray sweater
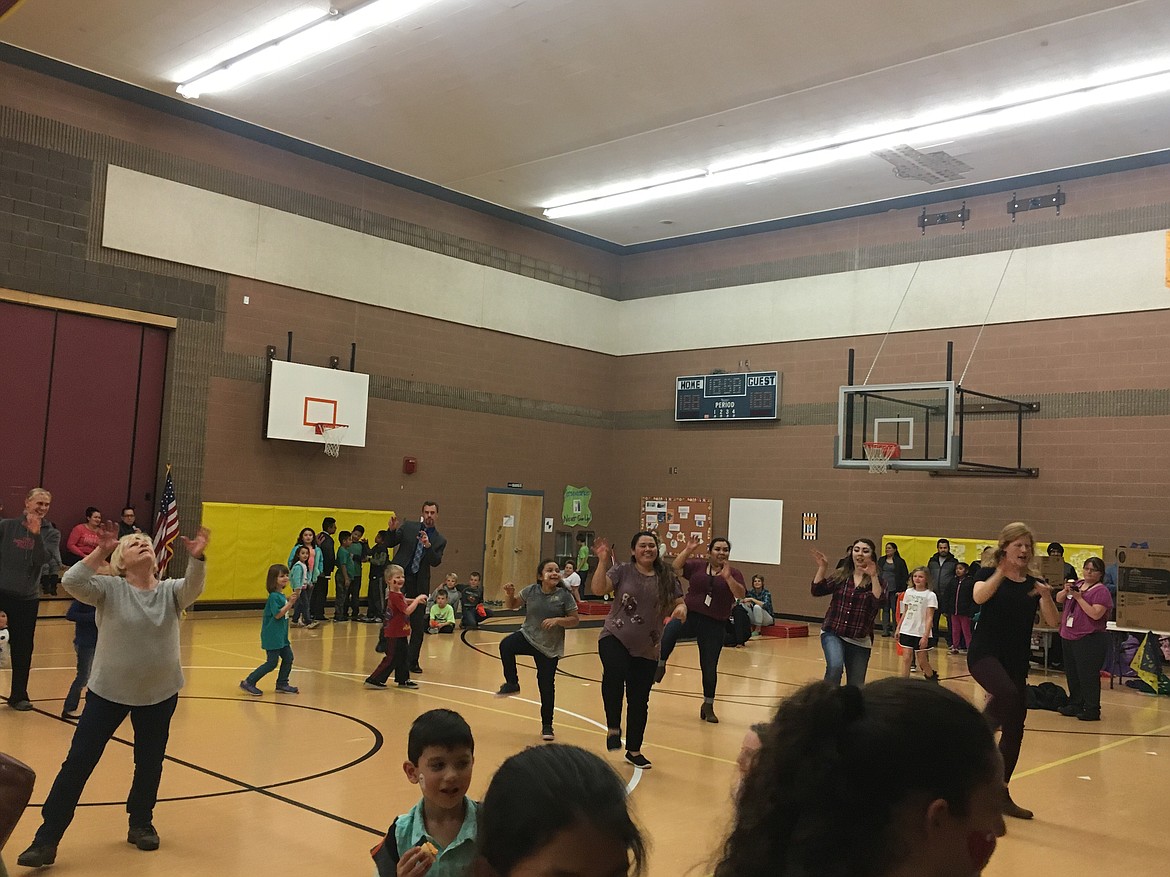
[[136, 672]]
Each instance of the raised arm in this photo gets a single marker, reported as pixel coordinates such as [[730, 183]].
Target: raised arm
[[820, 585], [191, 585], [680, 562], [599, 582], [78, 579]]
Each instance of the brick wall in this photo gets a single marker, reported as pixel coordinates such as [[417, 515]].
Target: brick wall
[[480, 409]]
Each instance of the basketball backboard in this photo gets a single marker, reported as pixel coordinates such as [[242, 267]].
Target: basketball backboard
[[302, 396], [919, 417]]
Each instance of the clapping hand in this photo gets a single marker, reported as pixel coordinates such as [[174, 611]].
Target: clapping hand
[[819, 557], [195, 546], [603, 550], [680, 612]]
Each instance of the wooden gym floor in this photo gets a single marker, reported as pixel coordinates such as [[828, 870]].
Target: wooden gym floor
[[306, 784]]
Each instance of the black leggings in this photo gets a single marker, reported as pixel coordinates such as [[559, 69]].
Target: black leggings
[[709, 632], [22, 626], [99, 721], [1083, 660], [1007, 708], [546, 671], [622, 673]]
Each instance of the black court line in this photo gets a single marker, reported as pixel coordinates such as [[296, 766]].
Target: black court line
[[266, 789]]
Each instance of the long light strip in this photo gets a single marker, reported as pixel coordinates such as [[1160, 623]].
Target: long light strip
[[1024, 112], [293, 38]]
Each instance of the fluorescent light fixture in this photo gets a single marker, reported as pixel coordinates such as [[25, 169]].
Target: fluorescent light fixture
[[290, 39], [946, 125]]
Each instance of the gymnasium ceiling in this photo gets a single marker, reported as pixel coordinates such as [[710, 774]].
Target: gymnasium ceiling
[[521, 102]]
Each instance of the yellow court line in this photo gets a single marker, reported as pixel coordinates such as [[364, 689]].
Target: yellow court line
[[1089, 752]]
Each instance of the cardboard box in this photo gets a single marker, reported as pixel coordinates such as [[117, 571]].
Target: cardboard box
[[1143, 589], [1051, 569]]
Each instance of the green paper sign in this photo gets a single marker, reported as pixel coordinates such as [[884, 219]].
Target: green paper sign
[[576, 510]]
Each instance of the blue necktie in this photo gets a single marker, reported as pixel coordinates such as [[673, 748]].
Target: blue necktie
[[414, 561]]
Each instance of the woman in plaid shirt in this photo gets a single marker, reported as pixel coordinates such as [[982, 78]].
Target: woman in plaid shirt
[[857, 594]]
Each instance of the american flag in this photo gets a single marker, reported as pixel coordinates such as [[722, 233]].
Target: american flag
[[166, 525]]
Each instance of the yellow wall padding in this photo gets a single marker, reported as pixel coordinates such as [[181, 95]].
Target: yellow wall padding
[[247, 539], [917, 550]]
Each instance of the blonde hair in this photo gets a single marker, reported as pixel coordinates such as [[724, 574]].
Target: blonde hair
[[35, 491], [393, 570], [116, 566], [1010, 534]]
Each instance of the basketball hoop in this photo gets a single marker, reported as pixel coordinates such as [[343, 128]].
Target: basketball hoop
[[333, 433], [879, 455]]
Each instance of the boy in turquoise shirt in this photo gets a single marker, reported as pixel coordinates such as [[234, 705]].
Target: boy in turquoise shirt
[[343, 602], [440, 829]]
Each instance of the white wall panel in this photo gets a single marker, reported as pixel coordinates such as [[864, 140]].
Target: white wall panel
[[156, 217]]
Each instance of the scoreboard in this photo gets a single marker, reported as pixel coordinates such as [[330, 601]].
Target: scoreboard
[[741, 396]]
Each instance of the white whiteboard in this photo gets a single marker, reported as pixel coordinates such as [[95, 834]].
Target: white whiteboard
[[754, 527]]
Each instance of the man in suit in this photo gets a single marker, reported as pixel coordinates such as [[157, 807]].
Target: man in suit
[[420, 547]]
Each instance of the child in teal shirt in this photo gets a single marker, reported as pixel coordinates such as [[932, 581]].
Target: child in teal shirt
[[274, 635], [345, 601]]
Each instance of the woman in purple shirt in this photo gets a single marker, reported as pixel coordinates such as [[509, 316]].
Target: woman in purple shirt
[[1087, 605], [713, 586], [645, 590]]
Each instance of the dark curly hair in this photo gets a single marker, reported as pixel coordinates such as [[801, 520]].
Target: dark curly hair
[[544, 790], [662, 571], [819, 760]]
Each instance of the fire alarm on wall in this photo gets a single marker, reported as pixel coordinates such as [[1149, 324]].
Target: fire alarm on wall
[[409, 464]]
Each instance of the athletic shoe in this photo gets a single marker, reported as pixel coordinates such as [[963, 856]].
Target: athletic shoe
[[313, 625], [659, 673], [298, 624], [285, 688], [22, 706], [144, 837], [508, 688], [374, 683], [546, 733], [70, 716], [416, 670], [638, 760], [613, 742], [250, 688], [38, 855], [409, 683]]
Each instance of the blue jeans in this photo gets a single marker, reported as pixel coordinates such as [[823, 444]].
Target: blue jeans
[[84, 665], [284, 656], [840, 655]]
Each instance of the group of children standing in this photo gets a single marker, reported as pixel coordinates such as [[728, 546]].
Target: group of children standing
[[386, 605]]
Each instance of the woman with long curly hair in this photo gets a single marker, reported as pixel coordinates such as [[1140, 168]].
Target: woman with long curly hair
[[645, 591], [821, 757]]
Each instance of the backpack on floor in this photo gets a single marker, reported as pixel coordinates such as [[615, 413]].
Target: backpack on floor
[[1046, 696], [739, 627]]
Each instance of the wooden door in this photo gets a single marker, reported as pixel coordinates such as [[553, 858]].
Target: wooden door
[[511, 539]]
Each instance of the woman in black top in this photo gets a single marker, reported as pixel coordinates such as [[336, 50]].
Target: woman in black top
[[894, 573], [1001, 647]]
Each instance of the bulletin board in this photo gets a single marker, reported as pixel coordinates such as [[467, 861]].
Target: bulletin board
[[675, 518]]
